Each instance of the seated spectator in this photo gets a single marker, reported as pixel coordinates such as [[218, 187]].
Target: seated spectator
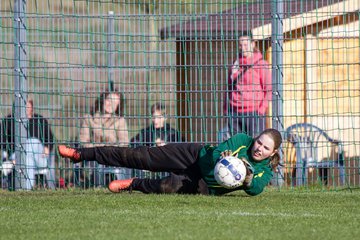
[[105, 125], [159, 132], [39, 144]]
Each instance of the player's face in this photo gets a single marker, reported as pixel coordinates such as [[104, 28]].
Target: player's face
[[111, 103], [158, 119], [263, 148], [246, 46]]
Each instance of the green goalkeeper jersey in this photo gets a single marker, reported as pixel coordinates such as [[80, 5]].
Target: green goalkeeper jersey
[[241, 144]]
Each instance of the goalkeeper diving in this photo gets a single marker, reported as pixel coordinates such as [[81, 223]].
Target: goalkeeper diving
[[191, 165]]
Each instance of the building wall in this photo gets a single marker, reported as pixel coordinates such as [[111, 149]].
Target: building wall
[[321, 86]]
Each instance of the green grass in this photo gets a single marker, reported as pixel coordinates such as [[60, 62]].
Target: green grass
[[98, 214]]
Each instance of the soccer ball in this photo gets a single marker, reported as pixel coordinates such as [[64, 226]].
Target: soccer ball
[[230, 172]]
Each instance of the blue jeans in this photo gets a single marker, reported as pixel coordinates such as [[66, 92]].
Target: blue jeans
[[36, 164]]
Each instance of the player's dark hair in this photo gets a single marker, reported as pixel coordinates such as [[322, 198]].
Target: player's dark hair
[[276, 136]]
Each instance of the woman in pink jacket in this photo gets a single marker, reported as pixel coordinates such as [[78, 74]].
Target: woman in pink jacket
[[249, 89]]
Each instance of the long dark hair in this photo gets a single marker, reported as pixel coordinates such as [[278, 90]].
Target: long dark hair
[[99, 103], [276, 136]]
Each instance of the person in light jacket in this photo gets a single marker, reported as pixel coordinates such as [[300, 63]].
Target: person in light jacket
[[105, 125]]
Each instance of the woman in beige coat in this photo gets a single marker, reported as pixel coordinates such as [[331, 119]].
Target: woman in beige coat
[[105, 125]]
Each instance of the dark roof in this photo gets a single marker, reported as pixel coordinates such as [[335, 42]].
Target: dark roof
[[232, 23]]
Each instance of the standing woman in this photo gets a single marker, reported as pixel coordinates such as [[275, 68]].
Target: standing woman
[[249, 89], [105, 125]]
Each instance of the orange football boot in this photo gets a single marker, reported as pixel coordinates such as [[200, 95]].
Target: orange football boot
[[68, 152], [117, 186]]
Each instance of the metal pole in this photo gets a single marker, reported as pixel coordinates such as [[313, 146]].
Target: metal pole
[[277, 74], [20, 92], [110, 45]]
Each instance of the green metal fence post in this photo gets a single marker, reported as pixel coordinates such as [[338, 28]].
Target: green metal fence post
[[20, 92], [277, 75]]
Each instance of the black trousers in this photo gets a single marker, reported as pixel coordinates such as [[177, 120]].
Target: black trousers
[[177, 158], [251, 123]]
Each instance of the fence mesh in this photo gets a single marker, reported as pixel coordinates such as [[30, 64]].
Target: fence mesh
[[64, 54]]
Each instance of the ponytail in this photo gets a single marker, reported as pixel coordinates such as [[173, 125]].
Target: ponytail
[[275, 161]]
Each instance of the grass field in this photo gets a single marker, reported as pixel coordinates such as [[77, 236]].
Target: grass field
[[98, 214]]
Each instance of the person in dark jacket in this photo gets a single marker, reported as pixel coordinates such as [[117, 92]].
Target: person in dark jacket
[[38, 127], [39, 143], [191, 165], [159, 132]]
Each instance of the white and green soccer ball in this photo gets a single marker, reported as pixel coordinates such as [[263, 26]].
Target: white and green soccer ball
[[230, 172]]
